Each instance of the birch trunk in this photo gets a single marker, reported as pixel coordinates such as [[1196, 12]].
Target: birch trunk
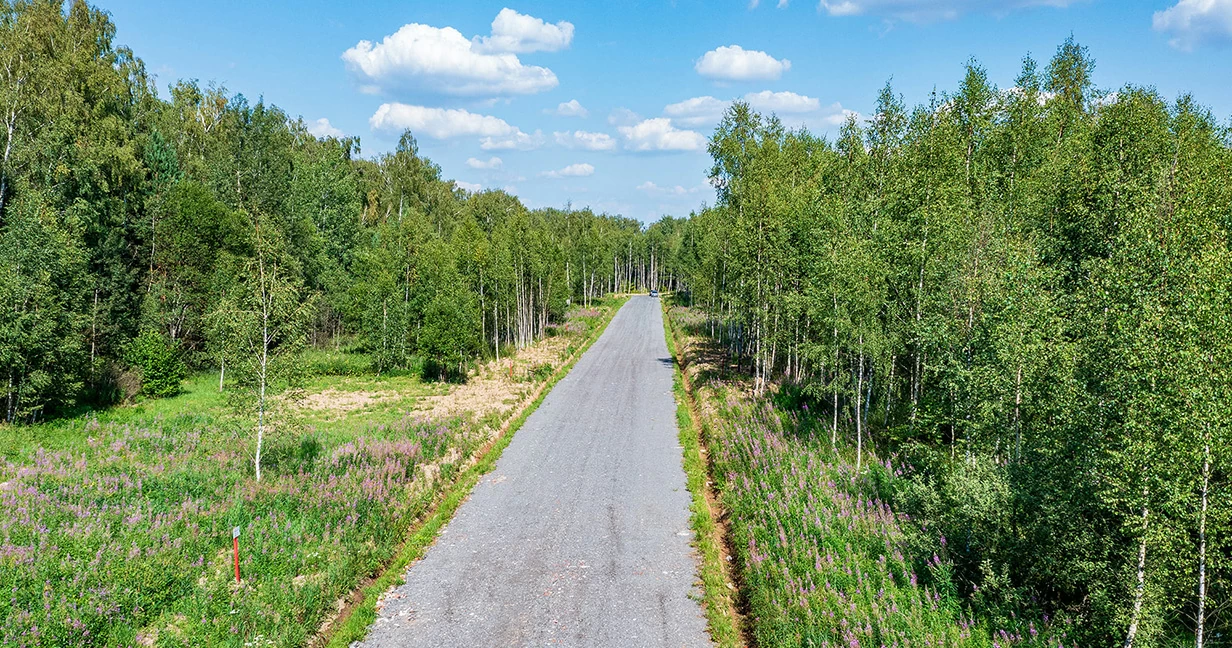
[[859, 416], [1206, 484], [264, 372], [1140, 590]]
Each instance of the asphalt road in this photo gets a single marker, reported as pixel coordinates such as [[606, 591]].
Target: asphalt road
[[580, 536]]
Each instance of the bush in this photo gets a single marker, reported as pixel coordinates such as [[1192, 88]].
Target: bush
[[158, 359]]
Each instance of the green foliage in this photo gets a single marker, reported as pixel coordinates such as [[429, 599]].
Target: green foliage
[[1024, 292], [162, 368], [43, 355]]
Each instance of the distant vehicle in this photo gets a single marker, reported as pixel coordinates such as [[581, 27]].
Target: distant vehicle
[[654, 293]]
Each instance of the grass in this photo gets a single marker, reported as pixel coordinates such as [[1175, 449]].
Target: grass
[[355, 626], [716, 595], [823, 559], [115, 528]]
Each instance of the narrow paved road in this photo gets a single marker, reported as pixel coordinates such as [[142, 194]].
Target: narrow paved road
[[580, 536]]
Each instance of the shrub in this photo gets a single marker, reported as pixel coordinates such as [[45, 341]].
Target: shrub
[[158, 359]]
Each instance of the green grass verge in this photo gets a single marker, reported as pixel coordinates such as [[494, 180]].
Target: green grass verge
[[716, 597], [355, 626]]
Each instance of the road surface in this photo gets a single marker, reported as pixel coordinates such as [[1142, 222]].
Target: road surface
[[580, 536]]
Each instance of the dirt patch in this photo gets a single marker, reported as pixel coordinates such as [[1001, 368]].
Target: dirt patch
[[343, 401], [498, 386], [480, 397], [706, 363]]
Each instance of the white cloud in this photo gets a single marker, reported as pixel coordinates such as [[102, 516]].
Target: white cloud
[[446, 123], [516, 140], [468, 186], [698, 111], [928, 10], [570, 108], [442, 60], [490, 163], [677, 190], [322, 128], [623, 117], [1042, 98], [707, 111], [1193, 22], [834, 115], [572, 171], [734, 63], [659, 135], [782, 102], [585, 140], [517, 33]]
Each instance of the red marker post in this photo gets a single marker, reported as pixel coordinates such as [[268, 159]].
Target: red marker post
[[235, 540]]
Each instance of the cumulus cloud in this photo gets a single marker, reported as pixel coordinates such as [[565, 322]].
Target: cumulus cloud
[[517, 33], [918, 11], [1194, 22], [571, 108], [782, 102], [834, 115], [698, 111], [516, 140], [422, 57], [659, 134], [623, 117], [468, 186], [734, 63], [580, 170], [444, 123], [677, 190], [707, 110], [585, 140], [489, 164], [438, 123], [322, 128]]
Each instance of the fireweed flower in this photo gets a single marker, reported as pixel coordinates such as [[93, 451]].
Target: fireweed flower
[[827, 560]]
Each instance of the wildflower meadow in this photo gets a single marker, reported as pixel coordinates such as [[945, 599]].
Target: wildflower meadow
[[826, 561], [126, 538]]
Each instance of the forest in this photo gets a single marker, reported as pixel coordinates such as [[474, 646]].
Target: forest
[[1020, 298], [143, 238], [1023, 298]]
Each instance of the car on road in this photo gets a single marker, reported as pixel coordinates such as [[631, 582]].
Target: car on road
[[654, 293]]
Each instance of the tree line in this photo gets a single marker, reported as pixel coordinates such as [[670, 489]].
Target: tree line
[[143, 237], [1025, 294]]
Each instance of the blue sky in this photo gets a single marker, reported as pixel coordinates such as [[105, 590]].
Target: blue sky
[[482, 84]]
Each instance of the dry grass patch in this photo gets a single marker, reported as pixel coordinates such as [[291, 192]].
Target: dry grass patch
[[344, 401]]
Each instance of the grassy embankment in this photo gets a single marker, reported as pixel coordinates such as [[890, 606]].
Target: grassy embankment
[[115, 528], [820, 557], [718, 599]]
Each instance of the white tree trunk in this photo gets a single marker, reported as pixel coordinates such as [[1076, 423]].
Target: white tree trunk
[[859, 417], [1206, 484], [1140, 590]]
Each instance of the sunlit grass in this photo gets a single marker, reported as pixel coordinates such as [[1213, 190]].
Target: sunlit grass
[[115, 526]]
